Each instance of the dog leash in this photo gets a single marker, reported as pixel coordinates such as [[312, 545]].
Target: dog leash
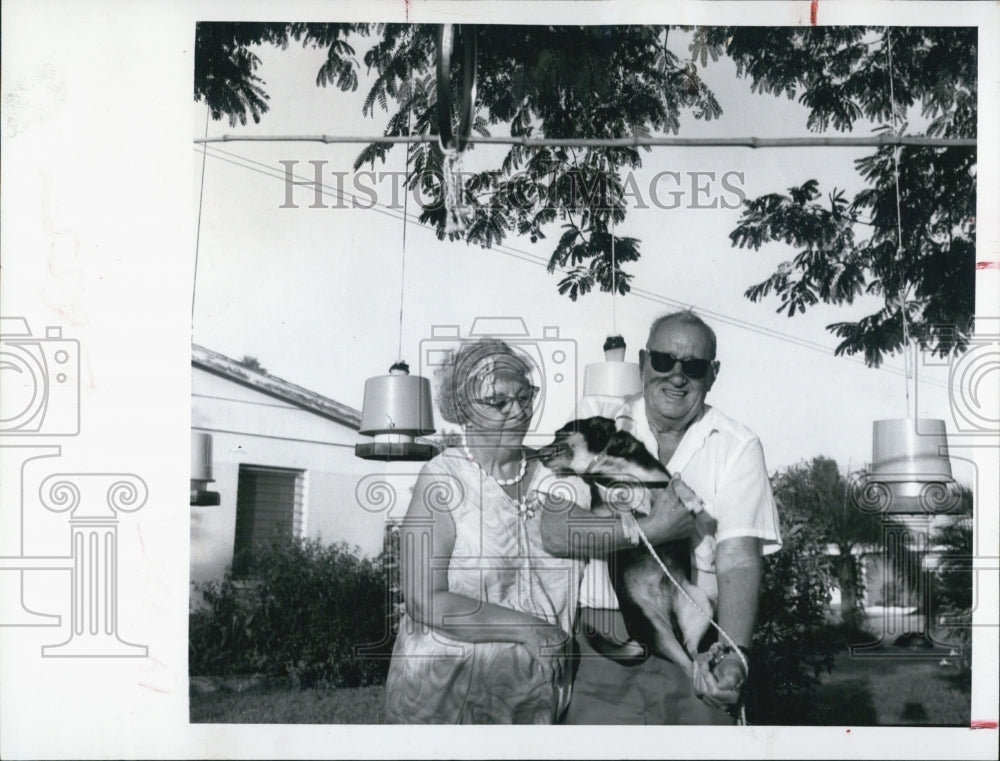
[[736, 649], [742, 719]]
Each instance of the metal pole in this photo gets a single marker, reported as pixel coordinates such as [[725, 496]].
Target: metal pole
[[625, 142]]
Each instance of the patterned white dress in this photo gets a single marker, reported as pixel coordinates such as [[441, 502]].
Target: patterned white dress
[[498, 558]]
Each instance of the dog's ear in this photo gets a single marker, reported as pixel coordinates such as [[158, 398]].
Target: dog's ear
[[597, 431], [621, 444], [625, 445], [568, 428]]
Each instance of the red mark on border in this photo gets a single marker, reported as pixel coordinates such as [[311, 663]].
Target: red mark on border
[[813, 11], [142, 544], [154, 689], [988, 265], [982, 724]]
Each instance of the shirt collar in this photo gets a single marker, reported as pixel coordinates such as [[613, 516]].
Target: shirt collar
[[633, 419]]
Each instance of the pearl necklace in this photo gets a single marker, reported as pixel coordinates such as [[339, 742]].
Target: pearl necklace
[[522, 469], [524, 510]]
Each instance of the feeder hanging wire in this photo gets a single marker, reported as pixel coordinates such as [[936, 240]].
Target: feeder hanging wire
[[909, 356]]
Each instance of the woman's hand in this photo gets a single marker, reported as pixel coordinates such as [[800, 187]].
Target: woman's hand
[[549, 644], [545, 640]]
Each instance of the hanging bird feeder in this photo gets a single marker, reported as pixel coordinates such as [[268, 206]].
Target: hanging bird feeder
[[614, 376], [452, 145], [201, 471], [910, 465], [446, 38], [614, 379], [910, 472], [397, 408]]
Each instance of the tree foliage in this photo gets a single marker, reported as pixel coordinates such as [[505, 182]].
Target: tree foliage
[[225, 66], [951, 590], [815, 496], [623, 81], [917, 252]]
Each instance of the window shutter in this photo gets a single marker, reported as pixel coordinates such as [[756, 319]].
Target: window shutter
[[268, 505]]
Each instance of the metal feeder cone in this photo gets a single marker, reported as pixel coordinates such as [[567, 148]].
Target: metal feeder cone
[[910, 458], [201, 471], [397, 408], [614, 376]]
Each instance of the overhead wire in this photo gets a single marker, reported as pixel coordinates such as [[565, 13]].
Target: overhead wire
[[201, 200], [534, 259]]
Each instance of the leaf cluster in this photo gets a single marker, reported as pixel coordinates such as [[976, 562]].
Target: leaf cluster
[[225, 64]]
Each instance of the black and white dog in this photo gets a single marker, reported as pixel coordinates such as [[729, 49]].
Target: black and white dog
[[623, 471]]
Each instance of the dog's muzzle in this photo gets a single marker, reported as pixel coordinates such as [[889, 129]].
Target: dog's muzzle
[[551, 452]]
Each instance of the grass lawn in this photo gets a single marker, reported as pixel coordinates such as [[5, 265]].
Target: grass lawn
[[892, 691], [885, 689], [285, 705]]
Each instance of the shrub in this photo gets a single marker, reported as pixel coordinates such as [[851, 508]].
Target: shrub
[[792, 645], [312, 612], [951, 590]]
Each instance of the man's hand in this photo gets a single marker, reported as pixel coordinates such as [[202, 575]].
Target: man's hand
[[668, 518], [721, 688]]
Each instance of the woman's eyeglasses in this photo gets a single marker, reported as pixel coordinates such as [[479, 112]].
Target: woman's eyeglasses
[[503, 404], [662, 362]]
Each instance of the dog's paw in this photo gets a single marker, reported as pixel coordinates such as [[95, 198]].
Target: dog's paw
[[686, 495], [630, 527]]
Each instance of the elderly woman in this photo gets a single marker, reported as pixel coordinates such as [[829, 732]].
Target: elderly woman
[[485, 637]]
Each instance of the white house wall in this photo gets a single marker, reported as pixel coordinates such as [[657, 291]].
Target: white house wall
[[249, 427]]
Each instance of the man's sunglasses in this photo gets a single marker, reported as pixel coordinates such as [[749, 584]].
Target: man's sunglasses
[[662, 362]]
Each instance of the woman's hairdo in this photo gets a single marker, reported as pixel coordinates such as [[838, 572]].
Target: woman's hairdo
[[475, 364]]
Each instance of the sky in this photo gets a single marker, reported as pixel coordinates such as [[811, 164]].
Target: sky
[[314, 293]]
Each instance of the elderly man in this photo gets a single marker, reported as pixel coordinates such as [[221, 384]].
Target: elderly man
[[723, 462]]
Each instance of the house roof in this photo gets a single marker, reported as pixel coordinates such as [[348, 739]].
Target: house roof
[[221, 365]]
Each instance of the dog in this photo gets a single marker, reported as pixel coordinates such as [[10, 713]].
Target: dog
[[657, 615]]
